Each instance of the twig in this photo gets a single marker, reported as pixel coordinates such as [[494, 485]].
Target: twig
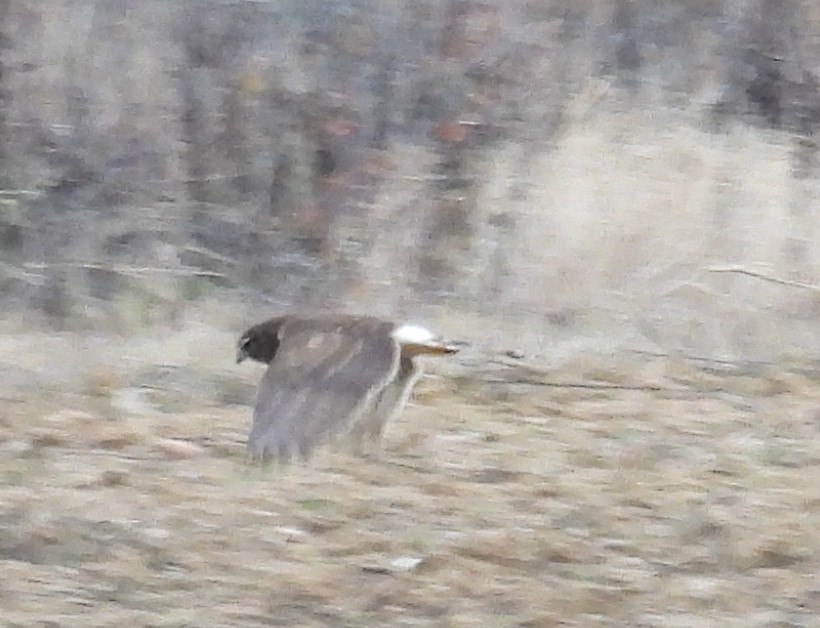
[[512, 363], [210, 254], [533, 382], [12, 271], [125, 270], [423, 179], [758, 275], [12, 399], [536, 370], [13, 193]]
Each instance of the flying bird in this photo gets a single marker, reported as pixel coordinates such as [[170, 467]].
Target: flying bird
[[330, 376]]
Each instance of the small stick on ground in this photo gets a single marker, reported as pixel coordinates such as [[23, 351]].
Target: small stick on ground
[[758, 275]]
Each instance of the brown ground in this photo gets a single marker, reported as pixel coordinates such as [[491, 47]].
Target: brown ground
[[493, 505]]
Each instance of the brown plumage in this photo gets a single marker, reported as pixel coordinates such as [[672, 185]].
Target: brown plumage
[[328, 377]]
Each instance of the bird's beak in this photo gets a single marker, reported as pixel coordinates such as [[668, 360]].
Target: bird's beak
[[241, 354]]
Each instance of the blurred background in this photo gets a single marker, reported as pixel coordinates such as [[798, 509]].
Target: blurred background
[[615, 202], [617, 176]]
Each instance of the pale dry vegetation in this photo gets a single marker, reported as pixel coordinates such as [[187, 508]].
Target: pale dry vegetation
[[564, 168], [683, 498], [623, 192]]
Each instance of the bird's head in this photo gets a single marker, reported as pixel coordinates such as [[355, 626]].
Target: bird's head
[[260, 342], [417, 340]]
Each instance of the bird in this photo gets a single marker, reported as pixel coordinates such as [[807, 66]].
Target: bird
[[328, 377]]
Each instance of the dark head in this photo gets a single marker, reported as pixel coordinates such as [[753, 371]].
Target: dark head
[[260, 342]]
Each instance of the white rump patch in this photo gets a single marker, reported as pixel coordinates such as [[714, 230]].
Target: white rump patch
[[414, 334]]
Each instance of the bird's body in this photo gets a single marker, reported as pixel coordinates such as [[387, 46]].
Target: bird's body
[[329, 377]]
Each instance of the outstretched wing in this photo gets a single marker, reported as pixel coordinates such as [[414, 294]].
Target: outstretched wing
[[324, 374]]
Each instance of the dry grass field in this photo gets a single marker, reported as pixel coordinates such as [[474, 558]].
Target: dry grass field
[[621, 181], [655, 495]]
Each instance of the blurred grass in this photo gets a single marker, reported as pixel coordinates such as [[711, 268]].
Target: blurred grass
[[308, 167], [654, 468], [555, 506]]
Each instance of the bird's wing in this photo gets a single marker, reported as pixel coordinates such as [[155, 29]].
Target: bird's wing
[[322, 377]]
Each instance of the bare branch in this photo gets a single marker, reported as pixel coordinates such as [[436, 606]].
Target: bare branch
[[758, 275], [129, 270], [536, 371], [534, 382]]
